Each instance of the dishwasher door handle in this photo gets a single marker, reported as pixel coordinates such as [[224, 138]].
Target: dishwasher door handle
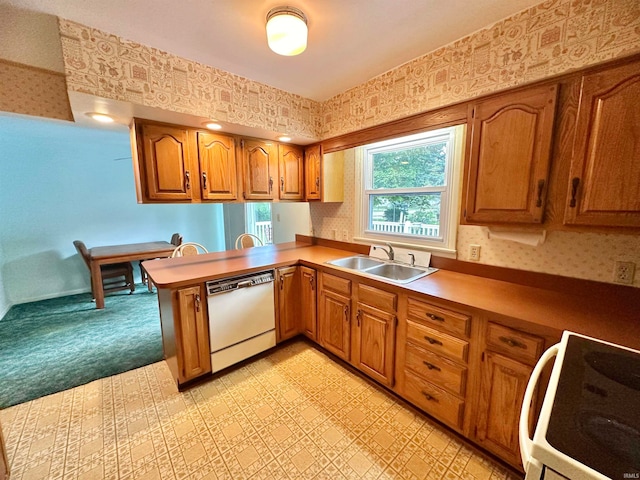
[[245, 284]]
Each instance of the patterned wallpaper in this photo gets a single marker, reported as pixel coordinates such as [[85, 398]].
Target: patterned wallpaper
[[551, 38], [107, 66], [33, 91]]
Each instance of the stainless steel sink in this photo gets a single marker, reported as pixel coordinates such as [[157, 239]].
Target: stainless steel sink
[[356, 263], [374, 267]]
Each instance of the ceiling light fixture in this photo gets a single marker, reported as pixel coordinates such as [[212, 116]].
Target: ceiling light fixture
[[284, 138], [100, 117], [213, 126], [287, 31]]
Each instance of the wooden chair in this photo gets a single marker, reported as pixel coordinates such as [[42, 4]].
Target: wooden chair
[[176, 239], [188, 249], [115, 277], [248, 240]]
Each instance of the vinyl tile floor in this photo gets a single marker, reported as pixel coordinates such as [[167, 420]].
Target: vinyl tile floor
[[293, 414]]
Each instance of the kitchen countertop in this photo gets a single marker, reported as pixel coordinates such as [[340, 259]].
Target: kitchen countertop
[[600, 317]]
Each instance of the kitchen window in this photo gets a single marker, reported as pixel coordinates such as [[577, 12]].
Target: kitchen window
[[409, 190]]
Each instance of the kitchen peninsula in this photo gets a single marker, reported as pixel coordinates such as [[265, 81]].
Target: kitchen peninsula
[[446, 342]]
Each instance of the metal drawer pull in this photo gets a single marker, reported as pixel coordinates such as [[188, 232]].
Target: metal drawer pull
[[431, 366], [435, 317], [431, 398], [513, 343], [432, 341]]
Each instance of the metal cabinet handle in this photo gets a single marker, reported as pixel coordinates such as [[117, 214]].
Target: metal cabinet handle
[[359, 316], [187, 179], [431, 398], [204, 180], [431, 366], [432, 341], [197, 302], [513, 342], [435, 317], [281, 283], [317, 182], [574, 191], [346, 313], [540, 189], [282, 184], [312, 283], [270, 184]]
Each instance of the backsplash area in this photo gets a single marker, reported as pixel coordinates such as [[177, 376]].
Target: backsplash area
[[588, 256]]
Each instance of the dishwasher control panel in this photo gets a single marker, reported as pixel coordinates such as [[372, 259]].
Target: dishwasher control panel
[[242, 281]]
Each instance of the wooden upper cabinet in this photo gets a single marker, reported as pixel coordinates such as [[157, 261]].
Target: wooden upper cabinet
[[259, 162], [166, 162], [291, 170], [604, 181], [312, 159], [218, 174], [509, 152]]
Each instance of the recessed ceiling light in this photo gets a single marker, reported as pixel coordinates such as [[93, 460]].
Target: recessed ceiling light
[[100, 117], [213, 125], [284, 138]]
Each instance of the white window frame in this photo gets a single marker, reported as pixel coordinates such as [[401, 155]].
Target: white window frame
[[449, 200]]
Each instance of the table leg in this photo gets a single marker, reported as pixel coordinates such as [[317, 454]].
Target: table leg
[[96, 285]]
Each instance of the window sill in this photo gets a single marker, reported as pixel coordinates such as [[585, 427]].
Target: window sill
[[402, 243]]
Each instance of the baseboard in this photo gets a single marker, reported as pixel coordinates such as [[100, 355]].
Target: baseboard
[[53, 295]]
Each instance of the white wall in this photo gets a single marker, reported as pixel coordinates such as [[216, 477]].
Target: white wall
[[60, 182], [288, 219]]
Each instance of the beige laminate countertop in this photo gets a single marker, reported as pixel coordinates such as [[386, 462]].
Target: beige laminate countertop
[[600, 317]]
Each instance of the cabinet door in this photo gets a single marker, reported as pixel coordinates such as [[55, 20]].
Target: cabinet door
[[504, 381], [334, 323], [509, 157], [192, 334], [258, 162], [218, 176], [308, 301], [312, 159], [604, 183], [374, 343], [291, 170], [166, 162], [288, 302]]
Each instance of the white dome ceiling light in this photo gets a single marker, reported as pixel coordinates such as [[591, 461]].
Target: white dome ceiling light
[[287, 31]]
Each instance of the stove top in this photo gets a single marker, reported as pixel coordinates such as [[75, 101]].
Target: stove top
[[595, 417]]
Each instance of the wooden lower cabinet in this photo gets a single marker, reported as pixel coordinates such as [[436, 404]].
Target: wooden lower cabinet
[[288, 295], [185, 332], [507, 362], [308, 313], [334, 315], [503, 382]]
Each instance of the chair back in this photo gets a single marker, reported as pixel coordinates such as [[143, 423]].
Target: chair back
[[82, 250], [188, 249], [248, 240], [176, 239]]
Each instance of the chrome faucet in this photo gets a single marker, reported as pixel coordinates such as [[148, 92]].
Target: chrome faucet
[[390, 253]]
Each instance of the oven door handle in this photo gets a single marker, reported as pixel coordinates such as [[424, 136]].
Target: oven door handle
[[523, 431]]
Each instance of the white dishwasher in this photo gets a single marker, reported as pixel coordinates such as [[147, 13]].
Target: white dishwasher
[[241, 317]]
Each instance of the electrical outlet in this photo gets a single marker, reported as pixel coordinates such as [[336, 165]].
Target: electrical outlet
[[623, 272], [334, 234], [474, 253], [345, 235]]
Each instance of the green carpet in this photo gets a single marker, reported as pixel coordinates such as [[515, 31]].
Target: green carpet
[[53, 345]]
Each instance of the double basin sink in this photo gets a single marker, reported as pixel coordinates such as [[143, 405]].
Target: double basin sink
[[389, 270]]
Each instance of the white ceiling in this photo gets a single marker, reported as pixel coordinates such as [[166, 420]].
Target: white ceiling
[[350, 41]]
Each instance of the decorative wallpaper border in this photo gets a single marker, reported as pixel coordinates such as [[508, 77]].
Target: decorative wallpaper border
[[33, 91], [107, 66]]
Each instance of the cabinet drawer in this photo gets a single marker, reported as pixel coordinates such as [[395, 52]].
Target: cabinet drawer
[[454, 322], [516, 344], [437, 342], [433, 400], [336, 284], [377, 298], [436, 369]]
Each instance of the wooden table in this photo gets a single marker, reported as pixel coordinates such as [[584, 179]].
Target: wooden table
[[122, 253]]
